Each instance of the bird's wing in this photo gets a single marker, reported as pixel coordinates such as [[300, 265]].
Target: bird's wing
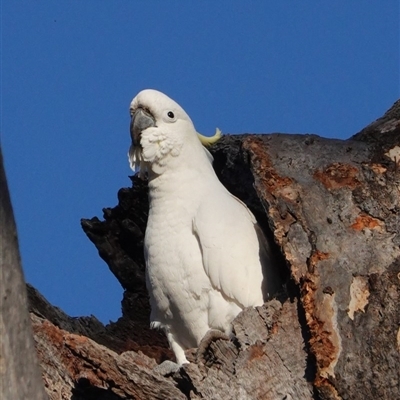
[[225, 230]]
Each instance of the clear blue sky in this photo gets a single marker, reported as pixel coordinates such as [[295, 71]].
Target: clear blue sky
[[71, 68]]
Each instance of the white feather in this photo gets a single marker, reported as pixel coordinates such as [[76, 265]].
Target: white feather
[[206, 257]]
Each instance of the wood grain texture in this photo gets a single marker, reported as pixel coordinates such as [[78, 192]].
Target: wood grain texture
[[19, 368]]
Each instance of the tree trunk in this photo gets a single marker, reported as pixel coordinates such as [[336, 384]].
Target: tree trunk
[[19, 368], [332, 209]]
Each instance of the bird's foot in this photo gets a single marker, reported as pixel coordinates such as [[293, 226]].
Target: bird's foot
[[211, 336]]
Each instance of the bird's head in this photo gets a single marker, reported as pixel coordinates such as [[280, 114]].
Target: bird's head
[[151, 108], [159, 129]]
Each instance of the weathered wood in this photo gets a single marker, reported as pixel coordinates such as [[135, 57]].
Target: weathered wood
[[76, 367], [19, 368], [267, 360], [332, 209]]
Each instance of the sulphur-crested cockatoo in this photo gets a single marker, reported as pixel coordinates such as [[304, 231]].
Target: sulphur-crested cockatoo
[[206, 257]]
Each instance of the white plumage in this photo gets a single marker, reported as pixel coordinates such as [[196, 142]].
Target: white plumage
[[206, 257]]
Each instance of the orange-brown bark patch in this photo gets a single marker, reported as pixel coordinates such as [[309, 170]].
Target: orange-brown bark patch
[[366, 221], [338, 175], [320, 343], [316, 257], [265, 170], [256, 351], [378, 169]]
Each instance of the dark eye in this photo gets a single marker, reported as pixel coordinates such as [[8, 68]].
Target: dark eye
[[171, 114]]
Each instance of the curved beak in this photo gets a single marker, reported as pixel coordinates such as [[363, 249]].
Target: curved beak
[[140, 120]]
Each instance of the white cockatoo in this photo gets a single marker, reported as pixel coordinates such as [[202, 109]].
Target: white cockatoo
[[206, 257]]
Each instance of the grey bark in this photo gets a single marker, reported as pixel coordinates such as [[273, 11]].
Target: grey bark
[[19, 368], [331, 207]]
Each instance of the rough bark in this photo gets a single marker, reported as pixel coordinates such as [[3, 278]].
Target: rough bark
[[19, 367], [332, 209]]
